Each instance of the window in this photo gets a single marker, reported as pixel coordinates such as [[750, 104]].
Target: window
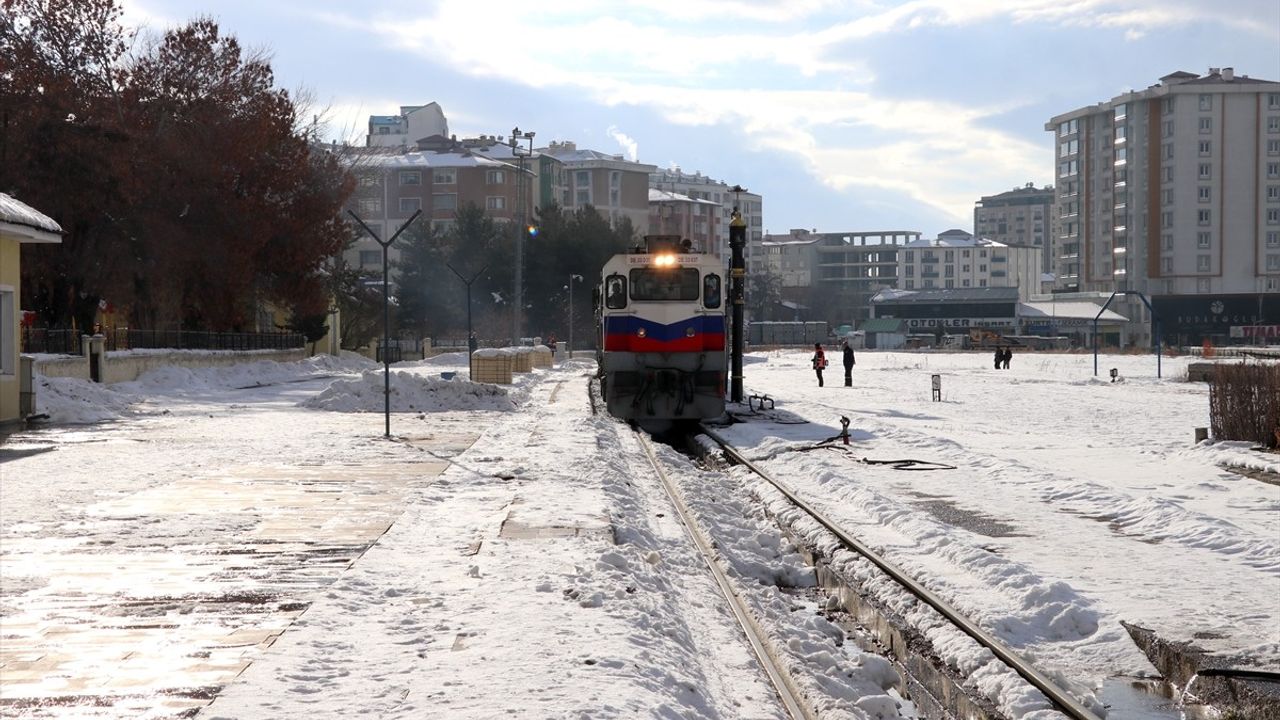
[[1206, 102], [1167, 105], [951, 284], [1273, 147], [1203, 239], [982, 268], [1166, 197], [1273, 193], [1204, 193], [1121, 111], [910, 285], [1204, 216], [1206, 147], [615, 178], [368, 181], [1273, 238], [1273, 101], [615, 292], [910, 255], [1168, 173], [445, 176], [1206, 124], [1206, 171], [495, 177], [444, 201], [582, 197], [408, 205], [8, 331], [1273, 263], [1166, 129], [950, 255], [964, 253], [1166, 219], [495, 202], [664, 284], [582, 178], [1166, 265], [1273, 216], [965, 268], [1069, 127], [615, 197], [964, 283], [982, 283], [711, 290], [1273, 170], [370, 258], [1202, 285], [1202, 263], [1273, 123], [369, 205], [411, 177], [909, 270]]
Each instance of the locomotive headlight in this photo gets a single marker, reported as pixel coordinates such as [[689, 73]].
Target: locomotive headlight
[[664, 260], [688, 332], [640, 332]]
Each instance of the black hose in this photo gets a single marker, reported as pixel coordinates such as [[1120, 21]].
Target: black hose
[[1241, 674]]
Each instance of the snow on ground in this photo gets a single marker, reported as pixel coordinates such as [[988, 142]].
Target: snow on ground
[[543, 574], [1076, 502]]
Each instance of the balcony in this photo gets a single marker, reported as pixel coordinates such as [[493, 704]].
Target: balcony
[[929, 274]]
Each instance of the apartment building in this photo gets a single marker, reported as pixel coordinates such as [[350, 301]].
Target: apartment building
[[1174, 192], [616, 187], [699, 186], [544, 171], [957, 260], [391, 187], [404, 130], [1021, 216], [693, 219]]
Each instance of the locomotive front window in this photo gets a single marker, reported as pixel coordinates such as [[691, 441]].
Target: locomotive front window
[[615, 292], [679, 284], [711, 290]]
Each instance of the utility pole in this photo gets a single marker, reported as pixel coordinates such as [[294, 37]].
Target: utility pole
[[468, 282], [386, 312], [737, 291]]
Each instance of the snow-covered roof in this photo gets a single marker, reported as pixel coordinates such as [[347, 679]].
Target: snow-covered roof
[[1076, 310], [26, 223], [656, 195], [945, 240], [433, 159]]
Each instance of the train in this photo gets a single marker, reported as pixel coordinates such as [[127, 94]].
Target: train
[[660, 324]]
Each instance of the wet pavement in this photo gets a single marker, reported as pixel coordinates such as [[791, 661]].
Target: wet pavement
[[146, 604]]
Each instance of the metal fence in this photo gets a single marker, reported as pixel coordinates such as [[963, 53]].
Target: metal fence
[[67, 342]]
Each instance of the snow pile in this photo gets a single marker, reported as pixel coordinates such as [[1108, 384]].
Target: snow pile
[[177, 380], [410, 392], [75, 401]]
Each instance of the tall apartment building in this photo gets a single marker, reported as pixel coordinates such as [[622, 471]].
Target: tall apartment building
[[1021, 216], [391, 187], [1174, 192], [414, 123], [699, 186], [613, 185], [956, 259]]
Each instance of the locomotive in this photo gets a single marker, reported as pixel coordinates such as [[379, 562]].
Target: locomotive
[[660, 323]]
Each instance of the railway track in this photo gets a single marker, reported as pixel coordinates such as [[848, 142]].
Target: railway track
[[1062, 700]]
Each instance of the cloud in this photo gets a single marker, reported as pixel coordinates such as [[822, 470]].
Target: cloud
[[626, 142]]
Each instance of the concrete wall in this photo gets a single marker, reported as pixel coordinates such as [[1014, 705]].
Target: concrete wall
[[126, 366]]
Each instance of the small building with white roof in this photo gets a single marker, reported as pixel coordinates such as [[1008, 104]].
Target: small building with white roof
[[20, 224]]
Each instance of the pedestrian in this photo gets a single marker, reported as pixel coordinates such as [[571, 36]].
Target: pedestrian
[[819, 361], [1008, 355], [551, 343], [472, 343], [999, 358], [848, 364]]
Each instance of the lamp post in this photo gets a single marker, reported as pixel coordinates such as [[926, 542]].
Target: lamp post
[[468, 282], [569, 287], [516, 138], [386, 312]]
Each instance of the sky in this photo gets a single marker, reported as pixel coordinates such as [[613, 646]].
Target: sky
[[843, 114], [507, 551]]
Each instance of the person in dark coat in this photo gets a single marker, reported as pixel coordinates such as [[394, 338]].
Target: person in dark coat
[[819, 361], [848, 364], [1008, 355], [999, 358]]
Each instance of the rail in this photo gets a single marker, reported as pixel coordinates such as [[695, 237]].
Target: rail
[[1065, 702], [781, 680]]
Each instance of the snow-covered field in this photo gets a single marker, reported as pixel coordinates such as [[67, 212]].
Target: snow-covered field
[[543, 575]]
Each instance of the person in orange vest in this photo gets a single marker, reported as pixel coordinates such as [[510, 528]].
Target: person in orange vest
[[819, 361]]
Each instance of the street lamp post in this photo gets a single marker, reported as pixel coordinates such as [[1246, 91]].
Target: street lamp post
[[468, 282], [569, 287], [516, 138], [386, 311]]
